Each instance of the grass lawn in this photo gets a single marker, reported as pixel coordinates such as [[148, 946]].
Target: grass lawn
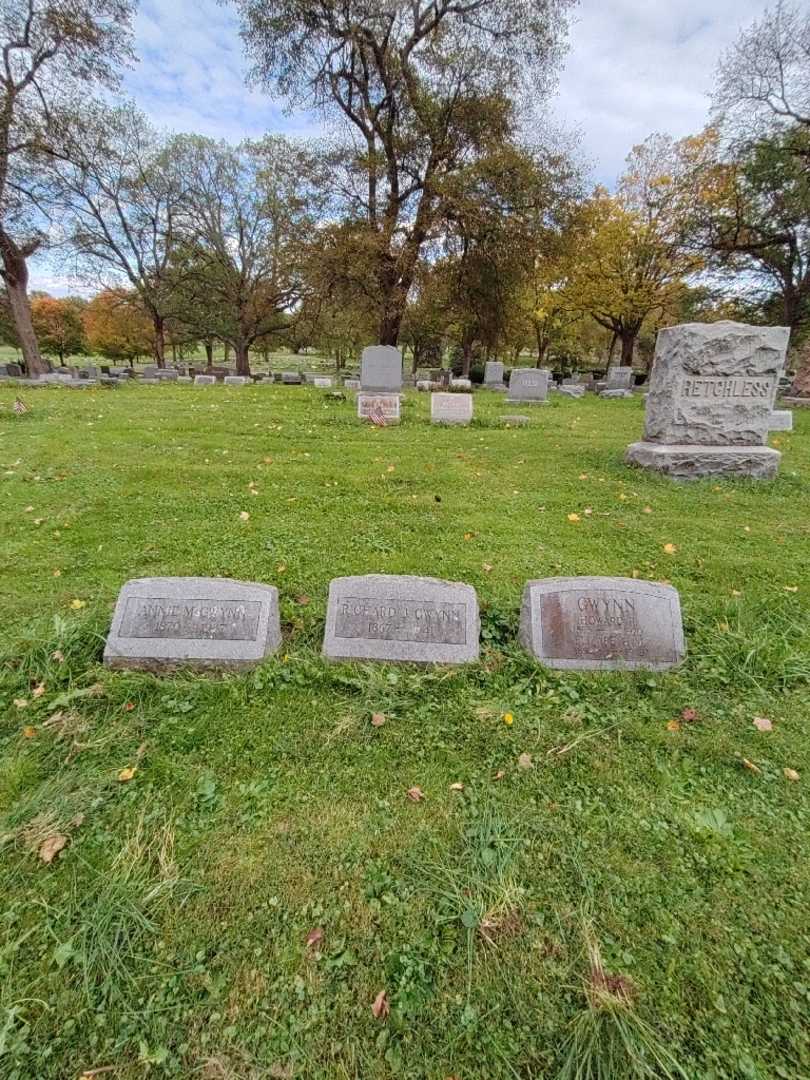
[[234, 909]]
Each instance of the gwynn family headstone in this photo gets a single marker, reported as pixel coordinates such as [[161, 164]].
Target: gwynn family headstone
[[710, 404], [401, 618], [378, 408], [602, 624], [167, 623]]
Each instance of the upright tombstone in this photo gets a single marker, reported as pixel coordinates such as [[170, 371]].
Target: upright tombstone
[[198, 623], [381, 369], [602, 624], [291, 378], [235, 380], [401, 618], [378, 408], [204, 380], [493, 375], [528, 386], [323, 382], [710, 403], [619, 382], [461, 384], [451, 408]]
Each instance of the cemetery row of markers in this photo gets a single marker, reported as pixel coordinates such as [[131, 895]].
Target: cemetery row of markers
[[709, 411]]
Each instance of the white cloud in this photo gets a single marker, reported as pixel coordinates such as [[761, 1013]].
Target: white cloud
[[635, 67]]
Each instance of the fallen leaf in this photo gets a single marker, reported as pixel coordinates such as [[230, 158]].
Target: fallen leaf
[[487, 567], [762, 723], [21, 703], [647, 510], [281, 568], [77, 605], [468, 536], [390, 468], [377, 719], [500, 774], [791, 774], [244, 515], [791, 588], [689, 715], [588, 511], [674, 725], [415, 794], [29, 732], [50, 848], [670, 549], [38, 691], [125, 775], [583, 476], [76, 822], [751, 766], [380, 1007], [457, 787], [525, 761], [58, 656], [574, 518], [130, 705], [314, 937], [57, 573], [302, 600]]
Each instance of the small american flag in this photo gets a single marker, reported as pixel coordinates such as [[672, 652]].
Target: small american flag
[[19, 406], [376, 415]]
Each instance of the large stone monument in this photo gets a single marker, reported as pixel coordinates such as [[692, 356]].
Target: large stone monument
[[401, 618], [197, 623], [381, 369], [528, 386], [602, 624], [710, 404]]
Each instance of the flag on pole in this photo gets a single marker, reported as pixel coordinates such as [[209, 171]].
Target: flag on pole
[[376, 415]]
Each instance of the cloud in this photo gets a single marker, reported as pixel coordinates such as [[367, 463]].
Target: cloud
[[635, 67]]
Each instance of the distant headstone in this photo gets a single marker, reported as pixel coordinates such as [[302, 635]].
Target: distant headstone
[[611, 395], [423, 385], [781, 420], [461, 384], [351, 384], [167, 623], [185, 379], [235, 380], [529, 386], [204, 380], [451, 408], [323, 382], [619, 379], [381, 368], [167, 375], [514, 420], [401, 618], [710, 402], [291, 378], [375, 407], [572, 390], [602, 624], [14, 371], [493, 375]]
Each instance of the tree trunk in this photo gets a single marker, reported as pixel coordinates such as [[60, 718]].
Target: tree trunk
[[389, 327], [15, 275], [226, 352], [209, 353], [174, 353], [242, 359], [628, 346], [466, 362], [160, 341], [801, 381]]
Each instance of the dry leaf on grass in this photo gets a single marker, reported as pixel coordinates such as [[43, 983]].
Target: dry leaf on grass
[[125, 775], [500, 774], [674, 725], [20, 703], [791, 774], [380, 1007], [314, 937], [670, 549], [762, 723], [525, 761], [689, 715], [415, 794], [58, 656], [38, 691], [377, 719], [751, 766], [29, 732], [50, 848], [457, 787]]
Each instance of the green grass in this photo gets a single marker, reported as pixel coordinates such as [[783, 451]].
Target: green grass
[[169, 936]]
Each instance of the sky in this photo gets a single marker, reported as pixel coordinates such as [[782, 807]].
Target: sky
[[634, 67]]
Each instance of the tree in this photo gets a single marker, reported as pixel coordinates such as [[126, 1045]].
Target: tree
[[412, 81], [120, 194], [117, 326], [50, 50], [248, 214], [58, 325], [634, 255], [764, 78]]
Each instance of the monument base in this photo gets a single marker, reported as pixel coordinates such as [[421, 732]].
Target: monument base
[[525, 401], [690, 462], [796, 402]]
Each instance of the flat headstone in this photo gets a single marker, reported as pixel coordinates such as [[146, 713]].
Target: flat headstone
[[235, 380], [613, 394], [401, 618], [781, 420], [423, 385], [602, 624], [451, 408], [514, 420], [167, 623], [572, 390], [712, 388], [385, 405], [323, 382], [185, 379], [528, 386], [151, 382], [204, 380], [461, 384], [381, 368], [291, 378], [351, 384]]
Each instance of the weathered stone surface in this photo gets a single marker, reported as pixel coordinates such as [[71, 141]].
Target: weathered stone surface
[[381, 368], [687, 462], [323, 382], [351, 384], [781, 420], [493, 374], [199, 623], [235, 380], [796, 402], [291, 378], [619, 378], [423, 385], [514, 420], [451, 408], [602, 624], [401, 618], [461, 384], [611, 394], [385, 405], [572, 390], [714, 384], [528, 386], [204, 380], [184, 379]]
